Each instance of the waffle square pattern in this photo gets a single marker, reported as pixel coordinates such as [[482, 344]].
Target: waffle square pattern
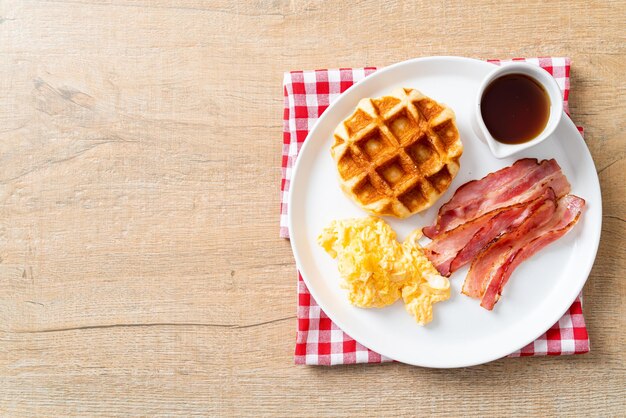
[[397, 154]]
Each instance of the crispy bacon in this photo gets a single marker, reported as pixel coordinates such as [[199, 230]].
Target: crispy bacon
[[486, 264], [470, 191], [566, 216], [505, 221], [444, 248], [453, 249], [524, 180]]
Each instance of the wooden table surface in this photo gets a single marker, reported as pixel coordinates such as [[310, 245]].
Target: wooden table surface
[[141, 271]]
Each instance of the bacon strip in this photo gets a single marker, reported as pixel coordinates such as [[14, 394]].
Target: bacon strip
[[442, 250], [566, 216], [522, 181], [468, 192], [485, 266], [502, 223], [453, 249]]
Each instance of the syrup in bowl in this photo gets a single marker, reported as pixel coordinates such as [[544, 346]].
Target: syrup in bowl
[[515, 108]]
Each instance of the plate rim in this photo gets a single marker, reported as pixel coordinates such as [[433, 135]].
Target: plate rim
[[588, 264]]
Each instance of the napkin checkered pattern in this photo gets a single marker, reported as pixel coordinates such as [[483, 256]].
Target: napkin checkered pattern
[[319, 341]]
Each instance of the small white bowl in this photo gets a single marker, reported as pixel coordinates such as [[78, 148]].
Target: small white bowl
[[499, 149]]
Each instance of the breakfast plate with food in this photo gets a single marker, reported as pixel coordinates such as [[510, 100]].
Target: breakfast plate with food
[[445, 212]]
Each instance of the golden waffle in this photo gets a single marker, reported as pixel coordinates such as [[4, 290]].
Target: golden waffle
[[397, 154]]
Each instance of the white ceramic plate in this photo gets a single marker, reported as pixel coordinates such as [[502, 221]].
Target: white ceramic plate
[[462, 333]]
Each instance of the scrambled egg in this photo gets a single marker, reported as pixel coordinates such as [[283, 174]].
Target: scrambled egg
[[377, 270]]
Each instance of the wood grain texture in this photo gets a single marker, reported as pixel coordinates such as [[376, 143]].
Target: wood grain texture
[[141, 271]]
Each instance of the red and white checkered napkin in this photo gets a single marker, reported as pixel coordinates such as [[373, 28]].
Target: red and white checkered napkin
[[319, 340]]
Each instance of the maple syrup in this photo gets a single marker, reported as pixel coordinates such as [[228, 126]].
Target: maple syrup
[[515, 108]]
